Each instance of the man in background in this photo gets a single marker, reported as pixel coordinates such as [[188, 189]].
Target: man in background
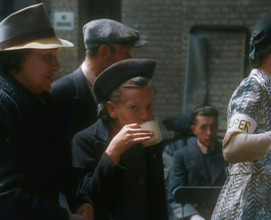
[[201, 163]]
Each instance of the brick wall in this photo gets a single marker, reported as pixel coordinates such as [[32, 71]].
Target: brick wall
[[166, 25], [68, 57]]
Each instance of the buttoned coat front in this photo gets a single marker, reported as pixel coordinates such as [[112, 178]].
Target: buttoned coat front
[[132, 190]]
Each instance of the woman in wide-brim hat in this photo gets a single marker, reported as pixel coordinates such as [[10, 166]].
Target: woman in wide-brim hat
[[247, 191], [33, 165]]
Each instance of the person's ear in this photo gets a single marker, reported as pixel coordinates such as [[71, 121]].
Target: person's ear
[[111, 108], [193, 129], [104, 51]]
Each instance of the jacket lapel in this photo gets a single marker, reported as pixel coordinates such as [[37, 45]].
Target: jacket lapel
[[102, 131], [196, 160], [82, 88], [83, 101]]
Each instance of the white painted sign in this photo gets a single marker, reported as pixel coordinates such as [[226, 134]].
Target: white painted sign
[[63, 20]]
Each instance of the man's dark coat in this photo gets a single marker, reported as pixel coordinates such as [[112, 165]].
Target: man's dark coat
[[190, 169], [76, 103]]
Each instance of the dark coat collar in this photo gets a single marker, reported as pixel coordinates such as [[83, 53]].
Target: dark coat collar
[[82, 85], [102, 130]]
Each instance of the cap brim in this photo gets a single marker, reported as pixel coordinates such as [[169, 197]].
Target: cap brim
[[45, 43], [140, 43]]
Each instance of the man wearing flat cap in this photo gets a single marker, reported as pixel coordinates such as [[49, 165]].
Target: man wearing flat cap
[[123, 178], [106, 42], [34, 168]]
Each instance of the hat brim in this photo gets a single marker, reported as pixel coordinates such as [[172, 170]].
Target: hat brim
[[44, 43], [140, 43]]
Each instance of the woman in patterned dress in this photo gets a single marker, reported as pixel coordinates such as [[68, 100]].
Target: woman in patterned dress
[[246, 146]]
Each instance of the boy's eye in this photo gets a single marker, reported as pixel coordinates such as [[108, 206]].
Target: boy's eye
[[134, 107]]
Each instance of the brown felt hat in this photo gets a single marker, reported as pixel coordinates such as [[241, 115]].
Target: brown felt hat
[[29, 28]]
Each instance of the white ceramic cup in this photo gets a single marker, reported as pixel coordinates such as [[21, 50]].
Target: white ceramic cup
[[154, 127]]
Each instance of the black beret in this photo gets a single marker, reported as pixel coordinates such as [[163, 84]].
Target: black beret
[[107, 31], [119, 72]]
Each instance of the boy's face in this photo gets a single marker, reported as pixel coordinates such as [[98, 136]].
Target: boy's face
[[205, 129], [135, 106]]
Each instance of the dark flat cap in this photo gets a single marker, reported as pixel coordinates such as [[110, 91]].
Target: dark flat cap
[[119, 72], [27, 28], [106, 31]]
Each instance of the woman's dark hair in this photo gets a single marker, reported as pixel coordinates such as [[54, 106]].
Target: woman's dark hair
[[260, 56], [115, 96], [204, 110], [260, 41], [12, 60]]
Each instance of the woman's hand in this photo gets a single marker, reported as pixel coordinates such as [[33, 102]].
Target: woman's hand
[[128, 136]]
